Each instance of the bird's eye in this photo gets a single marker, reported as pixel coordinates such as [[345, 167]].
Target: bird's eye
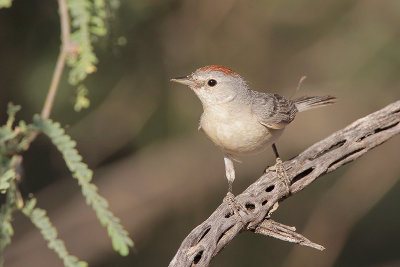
[[212, 82]]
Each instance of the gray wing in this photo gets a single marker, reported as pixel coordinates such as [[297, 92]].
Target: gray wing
[[272, 110]]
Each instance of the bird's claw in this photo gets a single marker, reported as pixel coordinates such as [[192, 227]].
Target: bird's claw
[[234, 205], [281, 173]]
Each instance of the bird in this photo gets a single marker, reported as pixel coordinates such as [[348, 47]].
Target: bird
[[241, 121]]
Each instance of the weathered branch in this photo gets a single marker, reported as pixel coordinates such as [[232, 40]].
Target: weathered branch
[[343, 146], [283, 232]]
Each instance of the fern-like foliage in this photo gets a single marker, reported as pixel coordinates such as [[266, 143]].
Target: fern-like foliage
[[6, 229], [81, 101], [119, 236], [5, 179], [6, 131], [42, 222], [9, 142], [13, 140], [5, 3], [87, 22], [11, 111]]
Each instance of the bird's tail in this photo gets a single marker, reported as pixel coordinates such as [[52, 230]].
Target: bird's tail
[[309, 102]]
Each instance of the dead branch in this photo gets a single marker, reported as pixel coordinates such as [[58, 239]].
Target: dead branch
[[206, 240]]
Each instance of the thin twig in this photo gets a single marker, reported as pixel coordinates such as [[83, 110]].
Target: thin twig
[[65, 44], [55, 81]]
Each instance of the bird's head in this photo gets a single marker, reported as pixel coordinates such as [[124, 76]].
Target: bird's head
[[215, 84]]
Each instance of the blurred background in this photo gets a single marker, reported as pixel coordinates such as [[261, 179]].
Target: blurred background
[[161, 176]]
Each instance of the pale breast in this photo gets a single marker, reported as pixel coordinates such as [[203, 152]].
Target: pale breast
[[237, 133]]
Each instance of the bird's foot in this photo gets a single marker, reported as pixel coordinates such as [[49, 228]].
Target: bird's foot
[[234, 206], [281, 173]]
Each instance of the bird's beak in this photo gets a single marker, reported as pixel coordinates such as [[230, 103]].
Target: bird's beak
[[187, 80]]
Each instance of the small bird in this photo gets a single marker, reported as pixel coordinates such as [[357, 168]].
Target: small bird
[[239, 120]]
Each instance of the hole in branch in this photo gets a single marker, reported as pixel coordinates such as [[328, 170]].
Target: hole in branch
[[385, 128], [396, 111], [264, 202], [197, 258], [250, 207], [332, 147], [204, 234], [377, 131], [224, 233], [302, 175], [270, 188], [228, 215], [345, 157], [363, 137]]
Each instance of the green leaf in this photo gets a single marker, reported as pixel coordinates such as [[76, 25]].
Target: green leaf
[[6, 134], [49, 232], [13, 140], [81, 101], [87, 21], [5, 180], [6, 210], [119, 236], [11, 111], [5, 3]]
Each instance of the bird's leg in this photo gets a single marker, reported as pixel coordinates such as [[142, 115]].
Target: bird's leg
[[229, 172], [230, 198], [280, 170]]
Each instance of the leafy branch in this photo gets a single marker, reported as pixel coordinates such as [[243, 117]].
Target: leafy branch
[[42, 222], [6, 229], [12, 141], [88, 23], [120, 238]]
